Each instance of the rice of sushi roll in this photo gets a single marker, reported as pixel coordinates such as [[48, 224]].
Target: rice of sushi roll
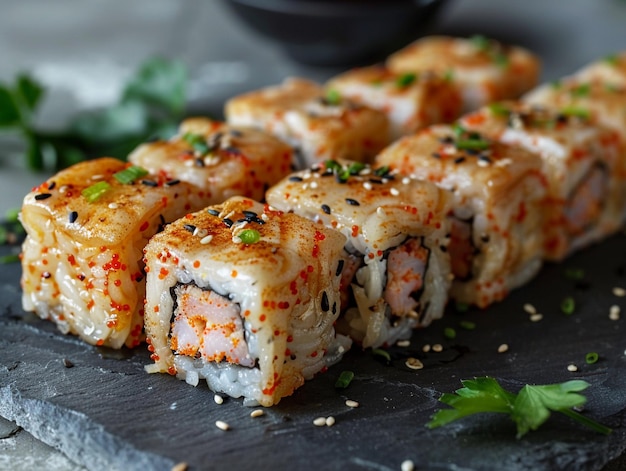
[[219, 160], [245, 297], [396, 269], [496, 238], [581, 162], [410, 100], [610, 69], [485, 70], [82, 258], [318, 125]]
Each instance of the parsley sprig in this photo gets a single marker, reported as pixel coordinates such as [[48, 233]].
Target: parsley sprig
[[151, 105], [529, 409]]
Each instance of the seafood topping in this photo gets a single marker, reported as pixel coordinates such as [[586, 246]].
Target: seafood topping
[[585, 204], [209, 326], [406, 267]]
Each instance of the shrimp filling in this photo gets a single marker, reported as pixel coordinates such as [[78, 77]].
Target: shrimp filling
[[406, 269], [208, 326], [461, 248], [586, 203]]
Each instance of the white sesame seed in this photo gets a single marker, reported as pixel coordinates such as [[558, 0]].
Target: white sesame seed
[[365, 171], [265, 217], [63, 189], [407, 465], [257, 413], [351, 403], [619, 291], [313, 185], [406, 180], [218, 399], [113, 206], [403, 343], [426, 348], [503, 348], [572, 368], [614, 312], [222, 425], [530, 309], [320, 422], [207, 239], [482, 163], [367, 185], [394, 191], [380, 211], [97, 177], [414, 363], [536, 317], [330, 421], [437, 348], [200, 232]]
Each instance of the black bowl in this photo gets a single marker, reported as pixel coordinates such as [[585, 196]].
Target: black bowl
[[339, 32]]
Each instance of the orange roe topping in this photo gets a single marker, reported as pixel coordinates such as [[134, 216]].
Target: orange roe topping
[[196, 264], [144, 226], [233, 274], [355, 230]]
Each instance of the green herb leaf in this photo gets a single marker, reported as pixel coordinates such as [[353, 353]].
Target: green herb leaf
[[9, 259], [130, 174], [581, 90], [382, 171], [332, 165], [29, 91], [333, 96], [112, 124], [575, 111], [499, 109], [249, 236], [480, 42], [9, 111], [197, 141], [355, 167], [344, 380], [406, 79], [94, 192]]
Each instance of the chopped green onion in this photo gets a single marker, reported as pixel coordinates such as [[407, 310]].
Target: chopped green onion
[[501, 60], [472, 144], [9, 259], [333, 97], [499, 109], [382, 171], [461, 307], [405, 80], [568, 305], [581, 90], [332, 165], [576, 112], [344, 380], [591, 358], [355, 167], [130, 174], [94, 192], [449, 333], [612, 59], [197, 141], [480, 42], [379, 352], [448, 75], [467, 325], [458, 130], [575, 274], [249, 236]]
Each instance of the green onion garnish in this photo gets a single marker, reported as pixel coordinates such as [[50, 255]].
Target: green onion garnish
[[382, 171], [591, 358], [612, 59], [499, 109], [577, 112], [249, 236], [379, 352], [501, 60], [333, 97], [568, 305], [458, 130], [94, 192], [355, 167], [575, 274], [449, 333], [471, 144], [448, 75], [332, 165], [480, 42], [344, 380], [581, 90], [405, 80], [130, 174], [461, 307], [9, 259], [467, 325], [197, 141]]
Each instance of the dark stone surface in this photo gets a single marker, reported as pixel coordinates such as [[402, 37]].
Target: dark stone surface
[[104, 412]]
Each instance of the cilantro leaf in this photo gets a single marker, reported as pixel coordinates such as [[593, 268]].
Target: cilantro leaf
[[29, 91], [9, 112], [529, 409]]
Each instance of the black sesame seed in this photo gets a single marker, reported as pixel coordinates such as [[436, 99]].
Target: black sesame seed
[[443, 248], [46, 275], [190, 227], [172, 182], [235, 133], [228, 222], [250, 214], [352, 202], [325, 208], [472, 151], [447, 140], [334, 310], [376, 181], [149, 183], [295, 178], [325, 303], [339, 267], [199, 163], [484, 158], [52, 185], [242, 220], [233, 150], [436, 155], [42, 196], [485, 239], [213, 212], [459, 160], [67, 363], [73, 216]]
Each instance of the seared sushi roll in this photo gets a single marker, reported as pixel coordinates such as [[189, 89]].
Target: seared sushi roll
[[244, 297], [485, 70], [497, 219], [219, 160], [410, 100], [581, 162], [320, 126], [610, 69], [396, 269], [82, 258]]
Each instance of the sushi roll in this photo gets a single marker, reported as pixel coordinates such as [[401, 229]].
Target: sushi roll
[[410, 100], [244, 297], [610, 69], [581, 162], [497, 217], [485, 70], [219, 160], [396, 269], [320, 126], [82, 258]]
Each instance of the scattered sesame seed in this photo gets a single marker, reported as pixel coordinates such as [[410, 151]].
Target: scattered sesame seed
[[113, 206], [614, 312], [572, 368], [182, 466], [190, 227], [257, 413], [313, 185], [414, 363], [222, 425], [351, 403], [199, 232], [326, 208], [149, 183], [73, 216], [295, 178], [67, 363], [426, 348], [619, 292], [407, 465], [536, 317], [394, 191], [403, 343], [352, 202], [42, 196], [218, 399], [437, 348], [319, 422], [367, 185], [172, 182], [406, 180], [207, 239], [530, 309], [213, 212], [330, 421], [63, 189], [503, 348]]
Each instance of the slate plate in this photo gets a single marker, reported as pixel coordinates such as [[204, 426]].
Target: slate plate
[[101, 409]]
